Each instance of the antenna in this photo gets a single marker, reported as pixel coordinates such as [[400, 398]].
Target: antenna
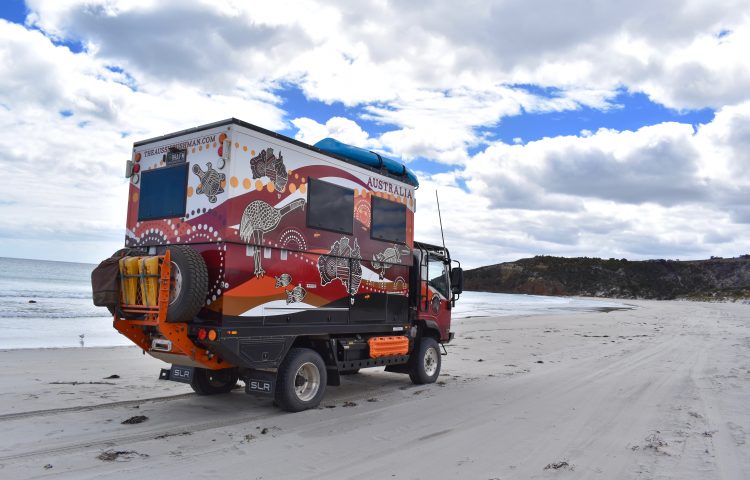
[[441, 218]]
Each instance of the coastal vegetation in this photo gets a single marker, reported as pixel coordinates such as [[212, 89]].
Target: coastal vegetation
[[712, 279]]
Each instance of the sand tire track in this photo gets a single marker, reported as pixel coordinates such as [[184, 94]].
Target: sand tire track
[[86, 408]]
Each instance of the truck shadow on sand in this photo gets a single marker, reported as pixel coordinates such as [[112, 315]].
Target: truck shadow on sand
[[370, 386]]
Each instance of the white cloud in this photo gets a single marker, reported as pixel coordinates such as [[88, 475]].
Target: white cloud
[[726, 144], [660, 191], [478, 234], [434, 71], [355, 55], [363, 52], [656, 164], [342, 129], [434, 76], [66, 172]]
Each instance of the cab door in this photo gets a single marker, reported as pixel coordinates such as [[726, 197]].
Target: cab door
[[434, 289]]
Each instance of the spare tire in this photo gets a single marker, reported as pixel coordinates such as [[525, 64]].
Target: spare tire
[[189, 285]]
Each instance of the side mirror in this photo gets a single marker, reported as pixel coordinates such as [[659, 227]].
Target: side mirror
[[457, 281]]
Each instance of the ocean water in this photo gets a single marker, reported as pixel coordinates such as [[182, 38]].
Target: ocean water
[[63, 310], [485, 304], [64, 316]]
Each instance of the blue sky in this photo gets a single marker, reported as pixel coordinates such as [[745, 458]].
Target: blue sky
[[599, 134], [628, 111], [13, 11]]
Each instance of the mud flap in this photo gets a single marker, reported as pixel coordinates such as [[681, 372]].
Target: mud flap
[[334, 377], [259, 382], [402, 368], [177, 373]]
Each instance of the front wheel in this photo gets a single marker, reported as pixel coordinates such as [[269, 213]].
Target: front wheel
[[211, 382], [424, 365], [301, 380]]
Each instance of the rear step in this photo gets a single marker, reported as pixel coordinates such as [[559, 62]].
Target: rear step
[[161, 345]]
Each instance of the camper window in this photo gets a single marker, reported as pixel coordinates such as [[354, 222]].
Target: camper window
[[330, 207], [388, 220], [163, 193]]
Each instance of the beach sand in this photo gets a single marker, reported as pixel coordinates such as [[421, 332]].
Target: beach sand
[[660, 391]]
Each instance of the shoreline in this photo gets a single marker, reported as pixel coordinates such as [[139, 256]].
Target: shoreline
[[557, 310], [97, 347], [100, 333]]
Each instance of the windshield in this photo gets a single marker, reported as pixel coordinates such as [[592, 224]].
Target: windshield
[[438, 276]]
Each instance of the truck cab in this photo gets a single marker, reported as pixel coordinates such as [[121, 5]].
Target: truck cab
[[436, 285]]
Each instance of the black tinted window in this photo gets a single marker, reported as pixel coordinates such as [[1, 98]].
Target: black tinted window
[[330, 206], [163, 193], [388, 220]]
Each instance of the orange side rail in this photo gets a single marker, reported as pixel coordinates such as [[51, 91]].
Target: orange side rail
[[156, 316]]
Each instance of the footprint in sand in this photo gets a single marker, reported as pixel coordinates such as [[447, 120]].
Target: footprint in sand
[[737, 432]]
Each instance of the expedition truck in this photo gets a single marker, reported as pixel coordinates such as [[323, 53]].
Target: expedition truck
[[250, 255]]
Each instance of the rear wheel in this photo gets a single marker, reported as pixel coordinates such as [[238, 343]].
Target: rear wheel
[[211, 382], [188, 285], [301, 380], [424, 365]]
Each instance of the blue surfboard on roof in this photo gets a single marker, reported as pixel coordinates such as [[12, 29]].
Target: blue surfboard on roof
[[366, 157]]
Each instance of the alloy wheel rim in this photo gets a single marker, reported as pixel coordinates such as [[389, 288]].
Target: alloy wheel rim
[[307, 381], [430, 361], [175, 285]]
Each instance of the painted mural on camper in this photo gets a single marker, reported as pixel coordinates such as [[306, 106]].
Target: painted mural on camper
[[248, 216]]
